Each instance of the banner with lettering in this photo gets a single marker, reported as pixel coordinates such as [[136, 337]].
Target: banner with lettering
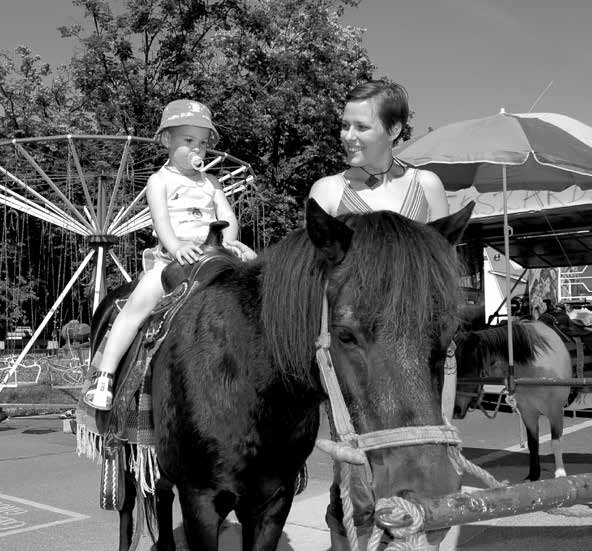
[[491, 204]]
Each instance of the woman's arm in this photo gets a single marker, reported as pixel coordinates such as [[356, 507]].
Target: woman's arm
[[435, 194]]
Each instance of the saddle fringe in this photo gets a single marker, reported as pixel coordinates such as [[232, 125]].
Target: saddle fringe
[[88, 444], [143, 464], [142, 460]]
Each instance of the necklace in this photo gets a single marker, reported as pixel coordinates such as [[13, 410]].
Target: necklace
[[373, 181]]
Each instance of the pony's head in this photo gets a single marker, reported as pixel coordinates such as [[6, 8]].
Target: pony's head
[[393, 293]]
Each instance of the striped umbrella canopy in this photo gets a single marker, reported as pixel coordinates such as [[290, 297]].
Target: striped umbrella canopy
[[540, 151]]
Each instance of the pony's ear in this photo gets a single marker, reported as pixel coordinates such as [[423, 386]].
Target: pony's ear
[[453, 225], [327, 234]]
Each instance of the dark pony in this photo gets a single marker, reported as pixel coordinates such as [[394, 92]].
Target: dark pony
[[539, 352], [236, 392]]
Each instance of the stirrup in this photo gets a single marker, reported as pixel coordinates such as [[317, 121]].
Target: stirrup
[[95, 392]]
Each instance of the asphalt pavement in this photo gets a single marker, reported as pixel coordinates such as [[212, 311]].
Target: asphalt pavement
[[49, 496]]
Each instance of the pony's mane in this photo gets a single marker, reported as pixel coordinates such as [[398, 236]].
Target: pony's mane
[[401, 278], [291, 300], [493, 342]]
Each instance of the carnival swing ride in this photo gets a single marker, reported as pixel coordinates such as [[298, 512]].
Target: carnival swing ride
[[73, 210]]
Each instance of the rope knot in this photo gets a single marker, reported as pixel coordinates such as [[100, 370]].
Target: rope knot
[[399, 517]]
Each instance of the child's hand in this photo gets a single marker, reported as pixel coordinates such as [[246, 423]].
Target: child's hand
[[188, 253], [240, 249]]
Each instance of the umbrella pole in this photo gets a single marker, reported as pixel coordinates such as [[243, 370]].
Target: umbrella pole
[[507, 229]]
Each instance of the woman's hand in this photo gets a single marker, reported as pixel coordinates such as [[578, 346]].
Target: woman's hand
[[187, 253], [240, 249]]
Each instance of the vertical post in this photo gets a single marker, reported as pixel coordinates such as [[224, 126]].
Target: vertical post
[[99, 279], [507, 230], [100, 202]]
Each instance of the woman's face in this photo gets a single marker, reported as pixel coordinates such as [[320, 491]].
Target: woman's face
[[365, 140]]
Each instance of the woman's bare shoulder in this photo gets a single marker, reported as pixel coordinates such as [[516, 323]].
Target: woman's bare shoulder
[[430, 180], [435, 194], [327, 192]]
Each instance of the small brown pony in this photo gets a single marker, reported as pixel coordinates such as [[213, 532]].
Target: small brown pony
[[539, 352]]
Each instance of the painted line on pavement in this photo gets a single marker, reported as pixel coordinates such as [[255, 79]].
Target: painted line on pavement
[[72, 516], [516, 447]]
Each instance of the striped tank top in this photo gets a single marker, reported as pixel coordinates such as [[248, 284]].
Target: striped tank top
[[415, 204]]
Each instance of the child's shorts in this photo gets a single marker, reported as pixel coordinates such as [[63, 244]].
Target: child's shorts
[[156, 257]]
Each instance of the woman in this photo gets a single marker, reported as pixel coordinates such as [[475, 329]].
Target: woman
[[374, 116]]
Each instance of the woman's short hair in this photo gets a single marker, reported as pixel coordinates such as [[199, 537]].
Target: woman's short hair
[[391, 98]]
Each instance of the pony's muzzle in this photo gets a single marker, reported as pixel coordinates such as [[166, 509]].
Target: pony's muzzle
[[424, 470]]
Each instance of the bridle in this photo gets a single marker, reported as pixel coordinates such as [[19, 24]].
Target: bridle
[[350, 447]]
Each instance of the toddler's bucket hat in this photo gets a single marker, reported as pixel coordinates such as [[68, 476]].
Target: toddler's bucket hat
[[183, 112]]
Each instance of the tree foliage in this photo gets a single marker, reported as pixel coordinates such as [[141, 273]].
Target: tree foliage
[[36, 102]]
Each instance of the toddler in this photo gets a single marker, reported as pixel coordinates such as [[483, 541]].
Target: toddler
[[183, 201]]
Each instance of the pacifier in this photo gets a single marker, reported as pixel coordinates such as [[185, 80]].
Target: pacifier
[[187, 159], [196, 161]]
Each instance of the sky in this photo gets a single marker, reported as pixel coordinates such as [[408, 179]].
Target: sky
[[458, 59]]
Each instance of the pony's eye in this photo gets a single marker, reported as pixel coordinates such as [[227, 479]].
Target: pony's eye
[[346, 336]]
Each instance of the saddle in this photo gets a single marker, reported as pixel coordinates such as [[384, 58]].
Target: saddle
[[577, 338]]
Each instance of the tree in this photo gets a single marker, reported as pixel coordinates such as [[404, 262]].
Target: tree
[[35, 102], [132, 63], [278, 89]]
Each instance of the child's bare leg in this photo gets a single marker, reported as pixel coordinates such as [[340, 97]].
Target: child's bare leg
[[125, 328]]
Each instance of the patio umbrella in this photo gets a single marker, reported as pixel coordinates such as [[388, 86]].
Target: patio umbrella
[[540, 151], [529, 151]]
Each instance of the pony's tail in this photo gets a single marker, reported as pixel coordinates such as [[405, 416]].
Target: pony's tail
[[150, 516]]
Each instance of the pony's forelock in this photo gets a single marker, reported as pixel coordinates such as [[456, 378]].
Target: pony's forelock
[[400, 276]]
